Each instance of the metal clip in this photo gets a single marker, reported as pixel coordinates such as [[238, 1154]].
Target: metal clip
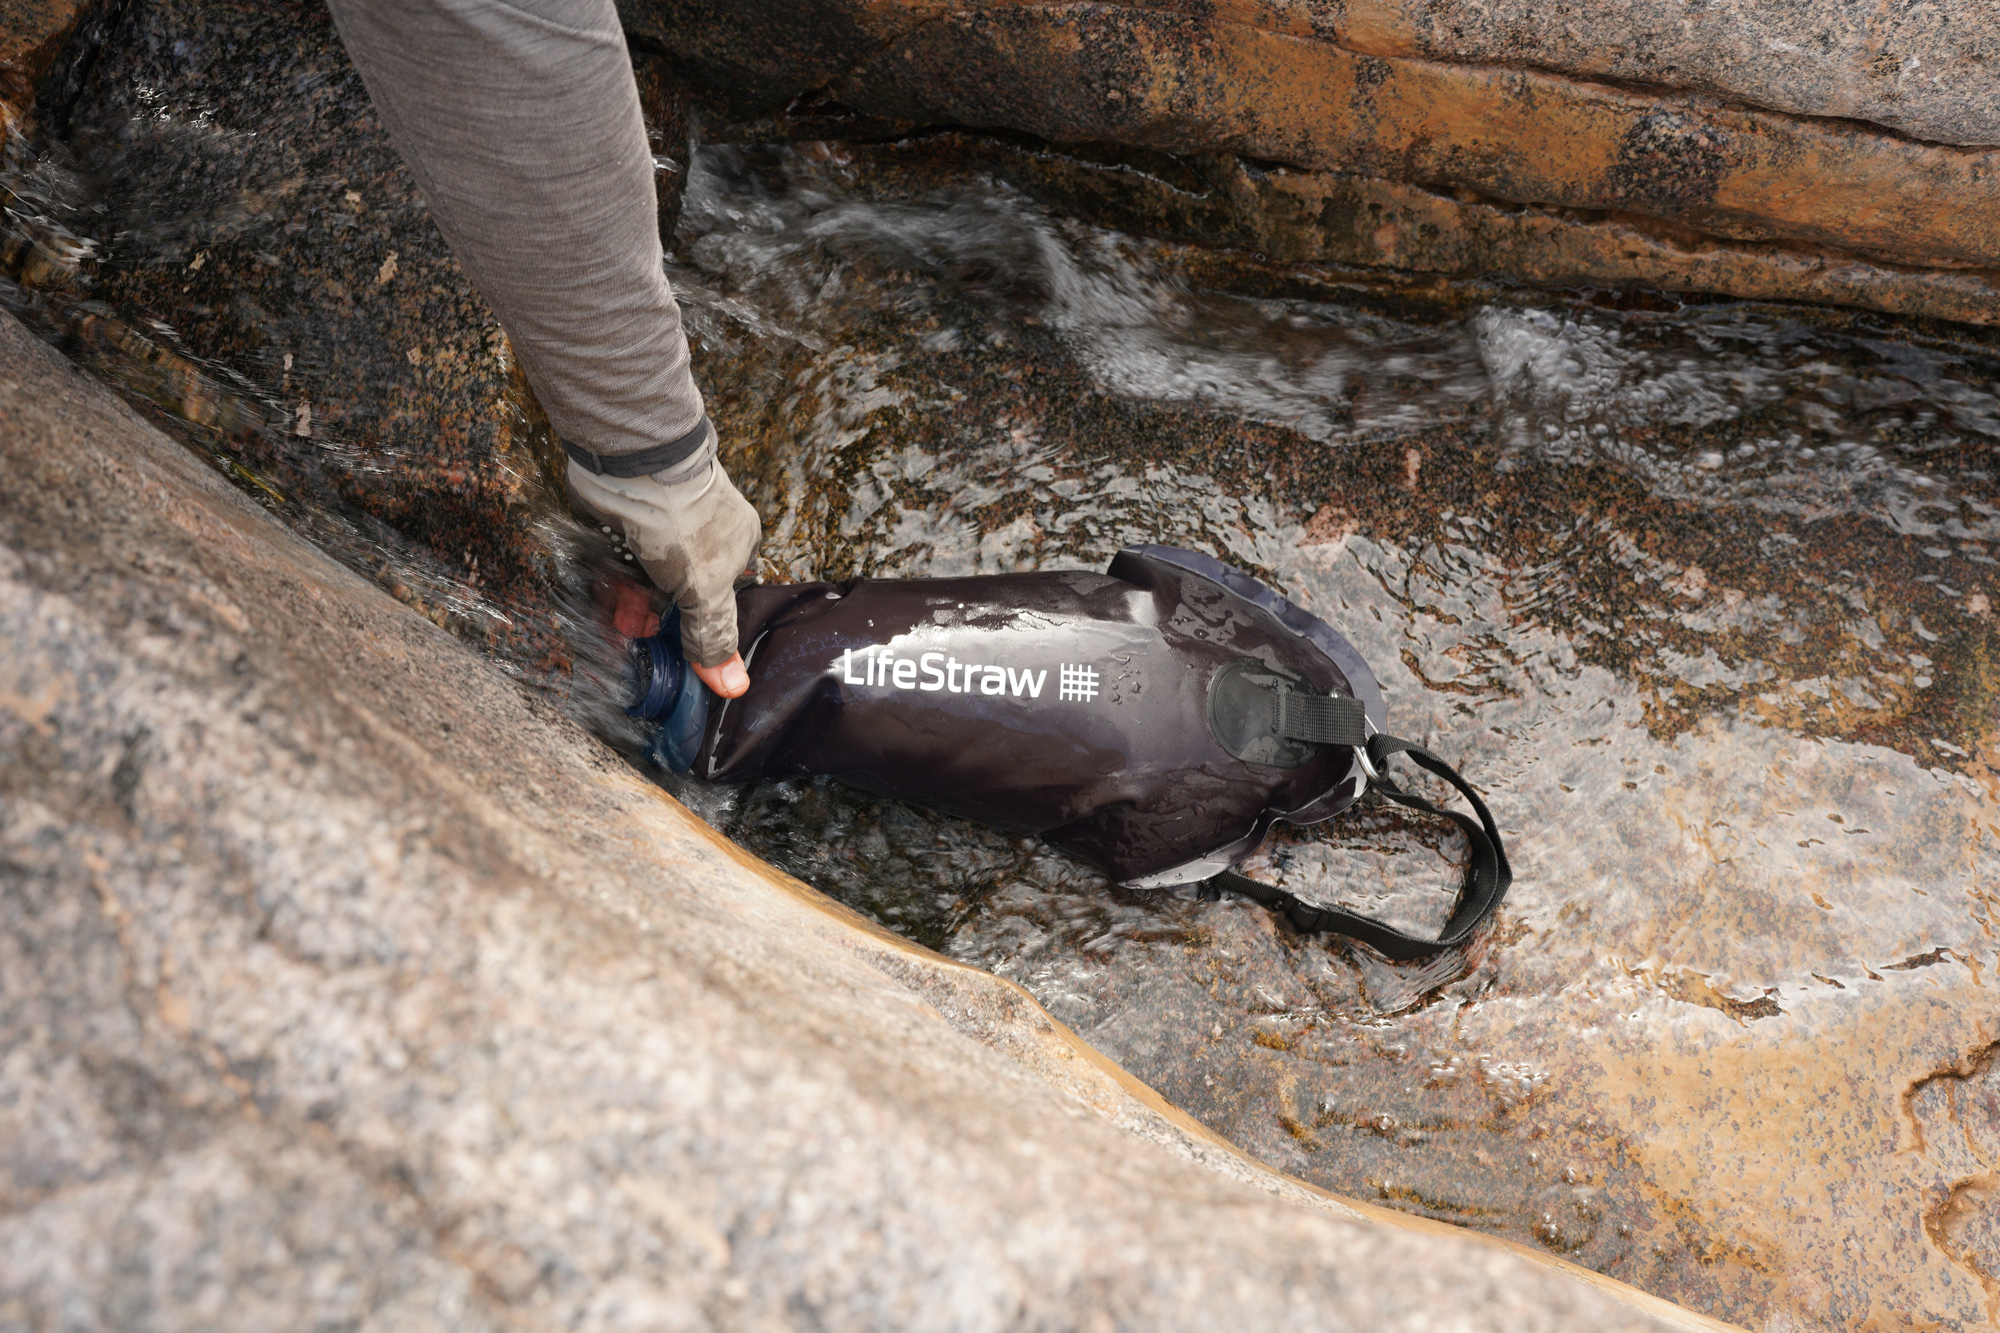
[[1361, 752]]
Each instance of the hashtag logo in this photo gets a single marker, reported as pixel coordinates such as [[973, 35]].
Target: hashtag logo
[[1078, 683]]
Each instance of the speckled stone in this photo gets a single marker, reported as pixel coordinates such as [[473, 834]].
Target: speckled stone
[[32, 34], [1927, 71], [1931, 72], [1721, 1109], [342, 986]]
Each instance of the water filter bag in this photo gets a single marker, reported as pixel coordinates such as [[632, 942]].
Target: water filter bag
[[1153, 720]]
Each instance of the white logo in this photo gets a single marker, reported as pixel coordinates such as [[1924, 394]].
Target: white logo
[[1078, 683], [876, 666]]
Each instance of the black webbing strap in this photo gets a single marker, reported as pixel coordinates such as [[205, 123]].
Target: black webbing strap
[[1486, 878], [1319, 719], [646, 461]]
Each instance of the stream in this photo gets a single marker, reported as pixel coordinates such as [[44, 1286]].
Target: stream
[[1698, 592]]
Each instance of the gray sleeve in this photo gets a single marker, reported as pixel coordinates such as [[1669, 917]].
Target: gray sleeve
[[520, 121]]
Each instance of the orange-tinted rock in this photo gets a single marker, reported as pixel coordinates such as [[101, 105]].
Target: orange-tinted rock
[[32, 33], [1342, 220], [1085, 72], [1931, 72], [1811, 196], [1692, 1058]]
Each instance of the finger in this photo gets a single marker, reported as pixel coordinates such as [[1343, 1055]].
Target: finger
[[729, 680], [634, 616]]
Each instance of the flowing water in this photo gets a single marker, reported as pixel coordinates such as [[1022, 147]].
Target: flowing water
[[1701, 597], [1699, 593]]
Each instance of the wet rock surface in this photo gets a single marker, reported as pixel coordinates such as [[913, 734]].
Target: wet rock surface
[[1699, 592], [1700, 595], [344, 985], [263, 275], [271, 223], [1342, 223], [1667, 157]]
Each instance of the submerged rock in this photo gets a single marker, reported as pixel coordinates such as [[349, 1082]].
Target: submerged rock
[[342, 986], [1701, 596]]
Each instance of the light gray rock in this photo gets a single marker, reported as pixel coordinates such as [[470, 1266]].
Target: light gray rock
[[1925, 70], [343, 987]]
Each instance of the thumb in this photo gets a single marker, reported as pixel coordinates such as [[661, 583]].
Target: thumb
[[730, 680]]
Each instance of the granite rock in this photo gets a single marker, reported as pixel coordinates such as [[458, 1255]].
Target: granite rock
[[340, 985], [32, 36], [1925, 71]]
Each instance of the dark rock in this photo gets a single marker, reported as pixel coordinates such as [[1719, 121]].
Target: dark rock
[[275, 282], [1689, 1058], [664, 101], [1341, 223]]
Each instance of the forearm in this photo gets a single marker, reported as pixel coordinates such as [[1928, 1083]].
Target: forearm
[[520, 123]]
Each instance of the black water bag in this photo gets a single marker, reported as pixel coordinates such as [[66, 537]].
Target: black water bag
[[1153, 720]]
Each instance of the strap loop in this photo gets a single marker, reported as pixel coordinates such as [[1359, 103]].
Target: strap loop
[[1487, 877], [1319, 719]]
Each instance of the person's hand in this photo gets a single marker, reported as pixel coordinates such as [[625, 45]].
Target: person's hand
[[693, 533]]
